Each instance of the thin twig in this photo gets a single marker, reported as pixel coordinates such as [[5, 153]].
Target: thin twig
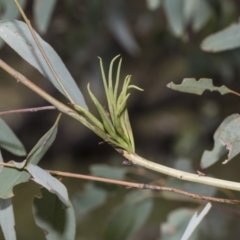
[[134, 185], [42, 51], [36, 109]]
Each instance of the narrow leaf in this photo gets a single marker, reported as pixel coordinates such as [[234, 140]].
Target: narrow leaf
[[43, 144], [42, 13], [7, 221], [17, 35], [46, 180], [191, 85], [196, 13], [105, 119], [175, 17], [228, 135], [226, 39], [9, 141], [56, 221], [10, 177], [195, 221]]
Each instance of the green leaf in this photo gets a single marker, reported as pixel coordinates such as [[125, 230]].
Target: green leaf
[[46, 180], [17, 35], [104, 170], [56, 221], [174, 12], [10, 177], [9, 141], [7, 221], [195, 221], [229, 135], [176, 224], [191, 85], [43, 144], [130, 217], [211, 157], [91, 198], [42, 13], [226, 39]]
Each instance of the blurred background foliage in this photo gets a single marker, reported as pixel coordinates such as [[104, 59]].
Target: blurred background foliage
[[159, 42]]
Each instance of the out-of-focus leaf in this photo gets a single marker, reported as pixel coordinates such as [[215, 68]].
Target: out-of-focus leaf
[[219, 230], [174, 13], [195, 221], [226, 39], [104, 170], [46, 180], [229, 135], [128, 218], [7, 221], [211, 157], [10, 177], [120, 28], [17, 35], [88, 200], [176, 224], [196, 13], [191, 85], [56, 221], [9, 141], [153, 4], [42, 13]]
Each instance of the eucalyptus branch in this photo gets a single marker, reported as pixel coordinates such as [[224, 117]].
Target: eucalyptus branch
[[28, 110], [134, 158], [41, 50], [134, 185]]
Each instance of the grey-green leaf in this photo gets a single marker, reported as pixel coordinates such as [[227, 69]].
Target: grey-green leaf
[[56, 221], [46, 180], [176, 224], [191, 85], [227, 135], [9, 141], [17, 35], [195, 221], [10, 177], [42, 13], [130, 217], [196, 13], [174, 12], [91, 198], [7, 221], [226, 39]]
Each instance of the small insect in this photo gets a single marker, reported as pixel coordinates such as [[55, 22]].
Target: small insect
[[127, 163], [200, 173]]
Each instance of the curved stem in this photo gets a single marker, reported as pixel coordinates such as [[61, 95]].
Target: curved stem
[[135, 159]]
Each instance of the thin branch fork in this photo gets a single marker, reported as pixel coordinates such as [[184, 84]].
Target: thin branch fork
[[134, 185], [36, 109]]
